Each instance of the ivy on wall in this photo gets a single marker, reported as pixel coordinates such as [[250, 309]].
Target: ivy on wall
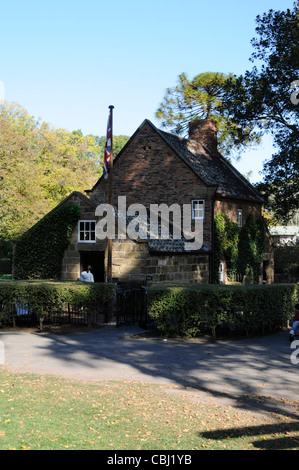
[[226, 243], [251, 248], [241, 249], [39, 252]]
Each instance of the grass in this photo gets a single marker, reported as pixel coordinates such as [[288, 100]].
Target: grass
[[44, 412]]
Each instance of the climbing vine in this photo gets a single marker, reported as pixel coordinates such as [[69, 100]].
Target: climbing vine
[[241, 249], [39, 252], [251, 248], [225, 243]]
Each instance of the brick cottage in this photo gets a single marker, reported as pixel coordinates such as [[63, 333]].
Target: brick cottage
[[156, 167]]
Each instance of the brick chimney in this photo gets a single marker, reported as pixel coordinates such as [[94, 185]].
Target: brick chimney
[[204, 131]]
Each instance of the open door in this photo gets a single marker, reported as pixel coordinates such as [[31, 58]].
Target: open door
[[96, 260]]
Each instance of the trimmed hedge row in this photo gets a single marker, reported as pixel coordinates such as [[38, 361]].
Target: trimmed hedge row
[[42, 298], [213, 309]]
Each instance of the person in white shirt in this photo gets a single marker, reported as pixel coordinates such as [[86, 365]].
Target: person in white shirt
[[87, 276]]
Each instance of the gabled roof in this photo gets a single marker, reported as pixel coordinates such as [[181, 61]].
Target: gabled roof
[[212, 169], [62, 203]]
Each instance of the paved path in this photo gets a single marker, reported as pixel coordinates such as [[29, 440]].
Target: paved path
[[231, 369]]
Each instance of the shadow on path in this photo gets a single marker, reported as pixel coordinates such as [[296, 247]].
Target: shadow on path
[[256, 373]]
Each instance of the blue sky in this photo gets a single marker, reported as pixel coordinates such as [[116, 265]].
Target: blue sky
[[66, 61]]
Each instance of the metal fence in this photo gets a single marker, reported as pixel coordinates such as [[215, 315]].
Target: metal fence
[[129, 306], [23, 315]]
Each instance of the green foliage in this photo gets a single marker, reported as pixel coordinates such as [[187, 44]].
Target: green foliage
[[226, 243], [41, 166], [286, 261], [262, 97], [242, 249], [5, 266], [212, 309], [251, 248], [39, 251], [201, 98], [45, 297], [119, 141]]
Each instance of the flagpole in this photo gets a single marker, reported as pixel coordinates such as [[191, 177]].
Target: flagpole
[[109, 271]]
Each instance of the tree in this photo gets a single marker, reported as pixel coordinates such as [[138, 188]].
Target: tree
[[202, 97], [40, 166], [22, 196], [266, 97], [69, 160], [119, 141]]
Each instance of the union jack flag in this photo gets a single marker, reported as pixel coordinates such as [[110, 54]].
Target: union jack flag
[[108, 148]]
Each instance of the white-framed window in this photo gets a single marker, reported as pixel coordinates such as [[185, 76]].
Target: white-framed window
[[87, 231], [198, 209], [239, 217]]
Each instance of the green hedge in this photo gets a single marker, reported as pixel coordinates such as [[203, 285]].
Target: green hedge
[[43, 298], [5, 266], [211, 309]]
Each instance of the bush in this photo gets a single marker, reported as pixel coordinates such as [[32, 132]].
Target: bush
[[242, 249], [5, 266], [286, 262], [196, 310], [42, 298], [39, 252]]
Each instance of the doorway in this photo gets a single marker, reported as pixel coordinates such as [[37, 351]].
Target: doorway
[[221, 273], [95, 259]]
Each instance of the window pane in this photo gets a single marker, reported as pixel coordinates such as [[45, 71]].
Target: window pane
[[239, 217], [87, 230], [198, 209]]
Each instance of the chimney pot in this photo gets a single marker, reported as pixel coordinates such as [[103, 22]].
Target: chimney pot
[[204, 131]]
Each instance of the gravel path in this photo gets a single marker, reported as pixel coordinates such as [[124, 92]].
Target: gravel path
[[227, 370]]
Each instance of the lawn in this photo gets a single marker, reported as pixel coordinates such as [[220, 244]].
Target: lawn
[[44, 412]]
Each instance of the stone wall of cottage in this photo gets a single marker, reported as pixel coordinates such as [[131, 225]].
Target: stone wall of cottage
[[71, 261], [150, 172], [132, 261]]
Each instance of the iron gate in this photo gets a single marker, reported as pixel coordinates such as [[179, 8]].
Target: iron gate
[[131, 306]]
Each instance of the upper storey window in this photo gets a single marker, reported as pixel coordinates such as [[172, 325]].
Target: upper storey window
[[239, 217], [198, 209]]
